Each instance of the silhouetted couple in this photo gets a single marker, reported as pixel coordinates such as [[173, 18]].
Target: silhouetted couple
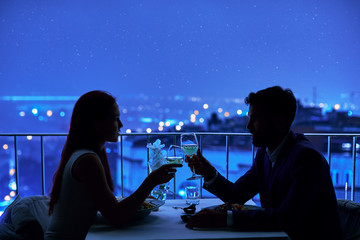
[[291, 176]]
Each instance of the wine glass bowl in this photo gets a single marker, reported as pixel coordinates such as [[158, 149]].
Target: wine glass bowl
[[175, 155]]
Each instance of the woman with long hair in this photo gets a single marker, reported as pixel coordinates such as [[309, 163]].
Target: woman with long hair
[[82, 184]]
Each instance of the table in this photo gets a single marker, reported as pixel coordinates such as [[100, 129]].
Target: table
[[167, 224]]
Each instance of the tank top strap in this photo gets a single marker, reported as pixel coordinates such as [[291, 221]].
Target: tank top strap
[[76, 155]]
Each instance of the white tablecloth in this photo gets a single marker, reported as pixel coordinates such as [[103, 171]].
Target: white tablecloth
[[166, 223]]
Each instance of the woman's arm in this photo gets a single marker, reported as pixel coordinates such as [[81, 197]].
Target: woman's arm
[[89, 170]]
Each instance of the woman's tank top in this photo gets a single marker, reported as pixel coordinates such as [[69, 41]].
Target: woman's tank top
[[75, 211]]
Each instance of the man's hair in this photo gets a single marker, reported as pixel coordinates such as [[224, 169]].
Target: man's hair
[[277, 101]]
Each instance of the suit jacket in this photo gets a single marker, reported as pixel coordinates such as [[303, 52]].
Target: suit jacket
[[297, 193]]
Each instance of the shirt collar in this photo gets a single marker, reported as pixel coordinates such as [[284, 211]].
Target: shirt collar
[[274, 155]]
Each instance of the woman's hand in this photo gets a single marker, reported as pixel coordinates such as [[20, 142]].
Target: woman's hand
[[163, 174]]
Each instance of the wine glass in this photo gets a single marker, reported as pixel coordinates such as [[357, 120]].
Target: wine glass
[[189, 146], [175, 155]]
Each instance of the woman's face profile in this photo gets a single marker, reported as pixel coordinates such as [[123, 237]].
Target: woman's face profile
[[110, 126]]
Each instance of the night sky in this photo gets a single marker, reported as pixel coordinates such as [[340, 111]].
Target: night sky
[[199, 48]]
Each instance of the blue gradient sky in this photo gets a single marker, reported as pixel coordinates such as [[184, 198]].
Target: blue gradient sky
[[200, 48]]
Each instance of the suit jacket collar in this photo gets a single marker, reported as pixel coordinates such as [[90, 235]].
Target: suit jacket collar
[[273, 156], [267, 166], [283, 156]]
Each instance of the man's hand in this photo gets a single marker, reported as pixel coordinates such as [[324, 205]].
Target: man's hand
[[207, 219], [201, 165]]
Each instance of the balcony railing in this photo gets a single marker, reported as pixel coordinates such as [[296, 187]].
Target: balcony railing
[[201, 135]]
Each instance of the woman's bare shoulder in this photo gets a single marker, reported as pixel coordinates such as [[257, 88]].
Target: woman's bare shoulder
[[87, 164]]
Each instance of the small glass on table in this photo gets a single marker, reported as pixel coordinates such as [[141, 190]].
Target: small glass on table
[[192, 195]]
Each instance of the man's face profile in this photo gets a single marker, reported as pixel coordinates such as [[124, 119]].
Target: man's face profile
[[259, 125]]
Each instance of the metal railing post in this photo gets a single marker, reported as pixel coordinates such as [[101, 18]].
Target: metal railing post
[[122, 165], [42, 160], [227, 156], [354, 169], [201, 179], [175, 174], [148, 155], [16, 164], [329, 150]]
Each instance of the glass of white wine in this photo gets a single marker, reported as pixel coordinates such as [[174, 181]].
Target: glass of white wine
[[175, 155], [189, 146]]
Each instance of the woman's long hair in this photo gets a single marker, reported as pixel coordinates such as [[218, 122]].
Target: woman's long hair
[[94, 105]]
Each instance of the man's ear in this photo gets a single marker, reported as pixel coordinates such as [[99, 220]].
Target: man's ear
[[285, 122], [95, 125], [281, 121]]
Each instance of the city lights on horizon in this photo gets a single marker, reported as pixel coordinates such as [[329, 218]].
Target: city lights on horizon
[[198, 115], [36, 112], [337, 107], [194, 117], [11, 195]]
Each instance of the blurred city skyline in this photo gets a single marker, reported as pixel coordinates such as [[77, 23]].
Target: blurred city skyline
[[174, 66], [205, 49]]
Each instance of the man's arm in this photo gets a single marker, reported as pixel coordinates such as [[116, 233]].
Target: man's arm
[[240, 192]]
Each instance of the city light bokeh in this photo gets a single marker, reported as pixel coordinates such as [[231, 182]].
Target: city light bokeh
[[173, 67]]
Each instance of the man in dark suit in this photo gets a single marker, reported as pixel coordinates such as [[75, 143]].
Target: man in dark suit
[[293, 178]]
